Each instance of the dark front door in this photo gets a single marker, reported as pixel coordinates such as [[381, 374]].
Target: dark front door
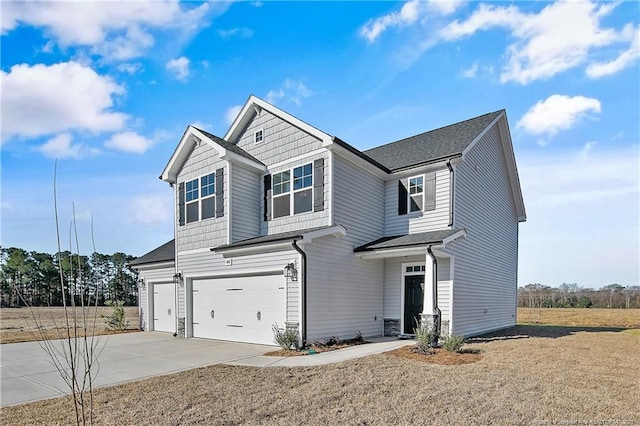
[[413, 299]]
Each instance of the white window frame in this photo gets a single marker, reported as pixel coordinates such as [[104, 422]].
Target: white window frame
[[409, 194], [255, 136], [199, 198], [196, 200], [292, 191]]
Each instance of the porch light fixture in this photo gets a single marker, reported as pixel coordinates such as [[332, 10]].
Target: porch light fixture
[[141, 283], [177, 279], [290, 271]]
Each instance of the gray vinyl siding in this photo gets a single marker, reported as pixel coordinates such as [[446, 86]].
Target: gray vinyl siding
[[281, 140], [357, 197], [161, 274], [246, 190], [212, 232], [344, 294], [301, 220], [425, 221], [486, 262], [207, 264], [393, 285]]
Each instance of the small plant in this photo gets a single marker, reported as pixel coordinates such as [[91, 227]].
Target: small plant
[[333, 341], [286, 338], [452, 343], [117, 319], [425, 338], [358, 337]]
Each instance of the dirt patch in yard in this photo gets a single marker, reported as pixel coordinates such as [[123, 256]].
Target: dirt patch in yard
[[439, 356], [19, 324], [582, 377]]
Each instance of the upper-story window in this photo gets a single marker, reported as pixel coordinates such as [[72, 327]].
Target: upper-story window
[[258, 136], [200, 198], [416, 191], [284, 204]]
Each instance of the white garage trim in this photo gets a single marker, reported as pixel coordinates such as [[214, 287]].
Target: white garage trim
[[162, 307]]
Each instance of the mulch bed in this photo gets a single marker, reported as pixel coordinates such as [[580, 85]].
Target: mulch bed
[[318, 348], [439, 356]]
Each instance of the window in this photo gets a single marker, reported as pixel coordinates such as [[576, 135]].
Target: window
[[200, 198], [208, 202], [258, 137], [302, 190], [192, 201], [416, 193]]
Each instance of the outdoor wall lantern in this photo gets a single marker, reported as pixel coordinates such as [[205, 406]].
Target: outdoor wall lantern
[[177, 279], [141, 283], [290, 271]]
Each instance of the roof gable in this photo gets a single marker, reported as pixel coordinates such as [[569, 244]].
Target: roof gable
[[192, 136]]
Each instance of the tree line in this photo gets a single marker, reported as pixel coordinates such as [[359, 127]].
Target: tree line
[[34, 278], [571, 295]]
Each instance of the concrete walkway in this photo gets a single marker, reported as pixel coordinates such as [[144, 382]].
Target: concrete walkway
[[27, 374]]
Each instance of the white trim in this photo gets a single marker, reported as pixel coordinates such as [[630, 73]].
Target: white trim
[[255, 136], [227, 190], [428, 168], [389, 253], [337, 231], [256, 249], [481, 135], [357, 160], [193, 251], [403, 284], [292, 191], [143, 267], [409, 211], [198, 200], [331, 193]]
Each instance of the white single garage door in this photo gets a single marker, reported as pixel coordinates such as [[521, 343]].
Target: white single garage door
[[240, 309], [164, 307]]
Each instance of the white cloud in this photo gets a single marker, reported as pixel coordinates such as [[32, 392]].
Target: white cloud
[[444, 7], [293, 91], [129, 142], [232, 113], [557, 113], [151, 209], [62, 96], [130, 68], [626, 58], [408, 14], [114, 30], [545, 45], [242, 33], [62, 146], [179, 67], [471, 72]]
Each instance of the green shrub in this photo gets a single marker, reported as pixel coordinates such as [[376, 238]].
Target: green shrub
[[287, 339], [117, 319], [425, 337], [452, 343]]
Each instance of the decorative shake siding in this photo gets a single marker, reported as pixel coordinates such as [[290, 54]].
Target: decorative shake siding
[[246, 196], [207, 264], [416, 222], [302, 220], [486, 262], [161, 274], [344, 294], [212, 232], [281, 141]]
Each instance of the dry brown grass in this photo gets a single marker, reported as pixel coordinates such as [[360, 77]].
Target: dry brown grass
[[439, 356], [529, 375], [580, 317], [18, 324]]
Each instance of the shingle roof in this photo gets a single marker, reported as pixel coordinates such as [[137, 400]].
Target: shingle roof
[[422, 238], [164, 253], [266, 239], [230, 146], [431, 146]]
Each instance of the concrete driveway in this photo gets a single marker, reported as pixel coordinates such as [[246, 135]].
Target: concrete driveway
[[26, 372]]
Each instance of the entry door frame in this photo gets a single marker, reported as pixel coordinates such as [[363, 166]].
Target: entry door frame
[[406, 273]]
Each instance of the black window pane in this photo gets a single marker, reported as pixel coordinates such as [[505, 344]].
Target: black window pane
[[208, 207], [302, 201], [192, 212], [416, 203], [281, 206]]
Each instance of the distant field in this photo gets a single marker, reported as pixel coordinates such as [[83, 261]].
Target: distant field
[[18, 324], [577, 317]]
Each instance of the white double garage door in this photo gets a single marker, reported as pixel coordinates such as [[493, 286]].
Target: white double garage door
[[240, 309]]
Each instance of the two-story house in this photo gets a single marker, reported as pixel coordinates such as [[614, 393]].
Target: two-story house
[[281, 223]]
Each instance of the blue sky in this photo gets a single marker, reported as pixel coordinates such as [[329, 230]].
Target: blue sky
[[108, 89]]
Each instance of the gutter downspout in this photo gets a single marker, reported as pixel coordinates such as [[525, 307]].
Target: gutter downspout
[[303, 333], [451, 189], [435, 295]]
